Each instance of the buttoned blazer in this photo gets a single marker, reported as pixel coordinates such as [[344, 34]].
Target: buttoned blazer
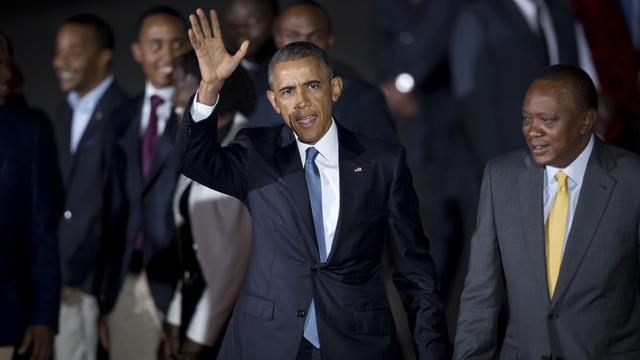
[[378, 208], [595, 309], [83, 178], [139, 205]]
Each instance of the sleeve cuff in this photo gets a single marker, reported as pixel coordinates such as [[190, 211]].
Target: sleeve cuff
[[201, 111]]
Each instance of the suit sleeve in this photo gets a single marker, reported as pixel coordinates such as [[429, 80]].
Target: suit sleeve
[[41, 241], [482, 296], [202, 159], [414, 271]]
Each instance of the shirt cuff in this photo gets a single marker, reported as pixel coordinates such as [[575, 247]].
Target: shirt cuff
[[174, 313], [198, 330], [201, 111]]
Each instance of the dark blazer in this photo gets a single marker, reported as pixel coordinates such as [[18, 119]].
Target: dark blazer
[[595, 310], [29, 272], [361, 108], [83, 178], [494, 57], [141, 205], [378, 208]]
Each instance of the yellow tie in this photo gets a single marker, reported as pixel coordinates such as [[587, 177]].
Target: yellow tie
[[554, 231]]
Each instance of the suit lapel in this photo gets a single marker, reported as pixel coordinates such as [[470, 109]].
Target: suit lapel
[[354, 172], [597, 187], [530, 185], [130, 144], [163, 151], [291, 172]]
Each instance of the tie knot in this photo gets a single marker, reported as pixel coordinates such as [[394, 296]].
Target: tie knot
[[312, 153], [156, 101], [561, 178]]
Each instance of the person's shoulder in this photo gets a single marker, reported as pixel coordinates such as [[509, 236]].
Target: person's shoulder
[[260, 135], [623, 158], [509, 161]]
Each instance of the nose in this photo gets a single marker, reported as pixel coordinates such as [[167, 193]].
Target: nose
[[302, 99]]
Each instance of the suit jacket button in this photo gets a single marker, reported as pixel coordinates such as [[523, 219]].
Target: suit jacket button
[[315, 268], [301, 313], [67, 215], [552, 316]]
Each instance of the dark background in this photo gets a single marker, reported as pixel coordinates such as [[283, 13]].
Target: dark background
[[32, 27]]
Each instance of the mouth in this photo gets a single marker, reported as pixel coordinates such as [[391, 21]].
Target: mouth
[[66, 75], [538, 149], [306, 121], [165, 70]]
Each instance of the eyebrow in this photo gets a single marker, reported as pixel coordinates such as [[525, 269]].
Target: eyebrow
[[306, 83]]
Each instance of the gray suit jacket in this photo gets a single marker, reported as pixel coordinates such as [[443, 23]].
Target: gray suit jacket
[[595, 310]]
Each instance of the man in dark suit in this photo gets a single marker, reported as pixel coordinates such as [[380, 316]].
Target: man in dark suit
[[142, 269], [84, 51], [361, 107], [556, 249], [314, 288], [29, 272]]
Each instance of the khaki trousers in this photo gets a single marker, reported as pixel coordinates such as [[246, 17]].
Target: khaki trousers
[[135, 324]]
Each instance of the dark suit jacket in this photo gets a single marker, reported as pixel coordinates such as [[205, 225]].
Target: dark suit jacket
[[141, 205], [595, 310], [29, 272], [361, 108], [494, 58], [378, 208], [83, 176]]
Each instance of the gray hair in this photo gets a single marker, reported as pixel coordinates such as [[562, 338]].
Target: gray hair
[[296, 51]]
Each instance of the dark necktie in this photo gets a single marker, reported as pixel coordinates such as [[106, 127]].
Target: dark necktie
[[150, 137], [312, 176]]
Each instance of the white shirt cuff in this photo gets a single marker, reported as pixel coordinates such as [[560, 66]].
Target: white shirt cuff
[[198, 330], [175, 308], [201, 111]]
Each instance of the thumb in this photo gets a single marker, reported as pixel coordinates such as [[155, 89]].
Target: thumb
[[241, 52], [26, 341]]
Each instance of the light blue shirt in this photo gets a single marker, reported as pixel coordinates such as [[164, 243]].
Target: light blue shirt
[[575, 175], [83, 108]]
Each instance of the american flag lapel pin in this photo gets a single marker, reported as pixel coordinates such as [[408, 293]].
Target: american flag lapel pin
[[357, 169]]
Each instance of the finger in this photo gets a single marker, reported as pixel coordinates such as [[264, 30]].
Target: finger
[[195, 42], [215, 24], [104, 335], [37, 353], [26, 341], [241, 52], [195, 27], [204, 23]]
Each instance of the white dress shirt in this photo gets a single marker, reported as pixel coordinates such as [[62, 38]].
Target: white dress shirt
[[530, 12], [83, 108], [328, 165], [163, 111], [575, 175]]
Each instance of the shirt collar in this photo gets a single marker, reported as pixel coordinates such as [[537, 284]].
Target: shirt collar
[[91, 98], [327, 146], [165, 93], [575, 170]]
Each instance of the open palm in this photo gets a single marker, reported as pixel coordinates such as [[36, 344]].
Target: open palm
[[216, 64]]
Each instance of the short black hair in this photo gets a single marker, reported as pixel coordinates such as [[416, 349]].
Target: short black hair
[[160, 10], [238, 93], [315, 5], [300, 50], [4, 37], [578, 81], [102, 30]]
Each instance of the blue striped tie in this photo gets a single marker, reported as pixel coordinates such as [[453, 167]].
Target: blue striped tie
[[312, 176]]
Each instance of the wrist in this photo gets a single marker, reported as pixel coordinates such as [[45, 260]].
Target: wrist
[[208, 92]]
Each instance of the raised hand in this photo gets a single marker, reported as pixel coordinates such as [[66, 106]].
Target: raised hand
[[216, 64]]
